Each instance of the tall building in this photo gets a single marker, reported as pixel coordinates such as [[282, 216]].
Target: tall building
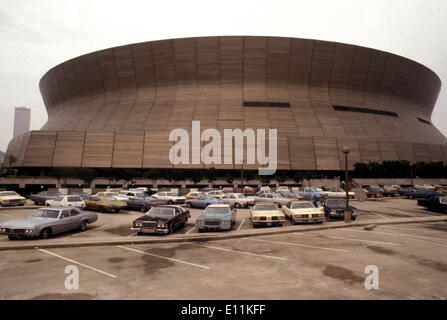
[[22, 118], [116, 107]]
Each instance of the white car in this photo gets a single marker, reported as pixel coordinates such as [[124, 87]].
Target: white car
[[127, 194], [117, 196], [338, 193], [282, 188], [238, 200], [66, 201], [170, 197]]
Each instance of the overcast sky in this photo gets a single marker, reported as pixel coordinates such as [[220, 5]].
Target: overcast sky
[[36, 35]]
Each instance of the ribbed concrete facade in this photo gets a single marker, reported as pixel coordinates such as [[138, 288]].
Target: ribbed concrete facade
[[116, 107]]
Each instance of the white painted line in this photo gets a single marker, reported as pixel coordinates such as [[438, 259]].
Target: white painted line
[[351, 239], [237, 251], [161, 257], [4, 214], [375, 213], [78, 263], [411, 229], [240, 226], [404, 212], [81, 233], [191, 230], [396, 234], [132, 234], [297, 244]]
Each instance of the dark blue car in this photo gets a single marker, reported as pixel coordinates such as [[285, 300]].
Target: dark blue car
[[203, 202]]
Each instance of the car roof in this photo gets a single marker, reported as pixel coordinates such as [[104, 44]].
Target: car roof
[[219, 205], [300, 201], [167, 206], [261, 203]]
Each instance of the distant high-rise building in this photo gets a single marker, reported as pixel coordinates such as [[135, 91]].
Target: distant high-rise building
[[22, 118]]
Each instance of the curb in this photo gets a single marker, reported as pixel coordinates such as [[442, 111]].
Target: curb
[[20, 207], [197, 238]]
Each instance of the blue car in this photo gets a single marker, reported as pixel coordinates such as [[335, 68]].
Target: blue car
[[216, 217], [203, 202]]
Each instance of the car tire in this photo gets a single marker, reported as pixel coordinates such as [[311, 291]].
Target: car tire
[[170, 202], [237, 205], [143, 209], [189, 205], [101, 209], [353, 218], [140, 233], [83, 226], [12, 238], [171, 229], [292, 221], [45, 233], [47, 204]]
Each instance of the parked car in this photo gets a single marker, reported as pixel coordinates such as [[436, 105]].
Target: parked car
[[265, 188], [83, 195], [238, 200], [248, 190], [303, 211], [143, 202], [11, 198], [104, 204], [391, 190], [270, 197], [203, 202], [207, 189], [442, 189], [216, 217], [288, 194], [337, 193], [335, 208], [309, 193], [194, 195], [46, 222], [228, 189], [266, 214], [434, 204], [66, 201], [216, 193], [127, 194], [282, 188], [170, 197], [115, 195], [163, 219], [41, 197], [428, 186], [373, 191], [422, 194]]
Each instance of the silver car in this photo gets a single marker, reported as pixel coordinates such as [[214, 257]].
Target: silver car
[[45, 222], [276, 198]]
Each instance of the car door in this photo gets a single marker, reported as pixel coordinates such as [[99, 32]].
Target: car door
[[75, 219], [63, 223]]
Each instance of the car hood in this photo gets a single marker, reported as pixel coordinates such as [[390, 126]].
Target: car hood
[[29, 222], [340, 207], [11, 197], [153, 218], [306, 211], [214, 216], [267, 213]]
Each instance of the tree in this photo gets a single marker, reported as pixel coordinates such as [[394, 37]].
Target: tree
[[197, 176], [211, 175], [229, 178], [297, 177]]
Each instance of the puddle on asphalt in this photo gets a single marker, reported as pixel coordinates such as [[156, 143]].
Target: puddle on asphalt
[[381, 250], [342, 274]]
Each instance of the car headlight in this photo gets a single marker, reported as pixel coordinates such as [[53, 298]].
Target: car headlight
[[2, 230], [138, 224], [29, 231], [225, 222], [255, 218], [200, 223], [161, 225]]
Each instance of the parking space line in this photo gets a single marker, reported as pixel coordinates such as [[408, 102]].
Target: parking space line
[[375, 213], [237, 251], [77, 234], [411, 229], [132, 234], [404, 212], [297, 244], [240, 226], [4, 214], [191, 230], [166, 258], [397, 234], [351, 239], [78, 263]]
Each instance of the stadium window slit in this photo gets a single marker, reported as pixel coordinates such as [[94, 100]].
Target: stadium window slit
[[365, 110]]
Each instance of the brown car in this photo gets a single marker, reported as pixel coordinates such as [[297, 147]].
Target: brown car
[[104, 204]]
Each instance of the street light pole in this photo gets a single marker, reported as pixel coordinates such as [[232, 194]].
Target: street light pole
[[347, 215]]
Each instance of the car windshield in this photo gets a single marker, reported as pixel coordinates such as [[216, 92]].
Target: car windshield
[[159, 211], [110, 199], [53, 193], [150, 198], [6, 194], [171, 194], [124, 193], [265, 207], [239, 196], [217, 210], [74, 199], [288, 194], [308, 205], [59, 199], [46, 213], [310, 190], [335, 203]]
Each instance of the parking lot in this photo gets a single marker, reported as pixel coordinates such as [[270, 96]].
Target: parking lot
[[319, 264]]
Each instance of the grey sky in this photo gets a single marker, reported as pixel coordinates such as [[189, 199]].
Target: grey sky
[[36, 35]]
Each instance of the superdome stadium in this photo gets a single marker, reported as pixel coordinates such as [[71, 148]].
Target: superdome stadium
[[115, 108]]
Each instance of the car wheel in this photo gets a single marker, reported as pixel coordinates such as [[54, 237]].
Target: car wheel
[[189, 205], [140, 233], [83, 226], [47, 204], [45, 234], [237, 205], [143, 209], [170, 202], [101, 209], [171, 229], [12, 238], [353, 218], [293, 221]]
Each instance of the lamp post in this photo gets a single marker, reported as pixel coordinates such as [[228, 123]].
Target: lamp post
[[347, 215]]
